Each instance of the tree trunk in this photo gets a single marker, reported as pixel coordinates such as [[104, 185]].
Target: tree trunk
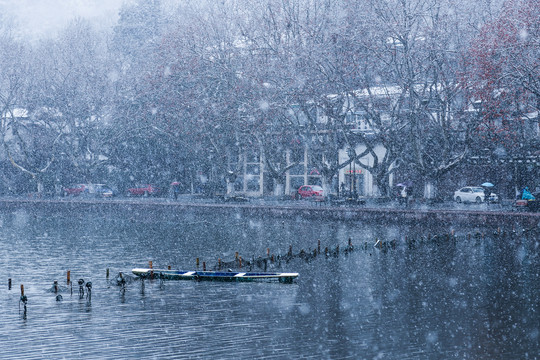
[[376, 189], [326, 185], [430, 189], [279, 188], [40, 187]]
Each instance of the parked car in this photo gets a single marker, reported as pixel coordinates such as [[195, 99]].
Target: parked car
[[98, 190], [105, 191], [309, 191], [75, 190], [473, 194], [143, 190]]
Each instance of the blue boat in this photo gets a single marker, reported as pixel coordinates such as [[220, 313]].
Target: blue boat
[[214, 275]]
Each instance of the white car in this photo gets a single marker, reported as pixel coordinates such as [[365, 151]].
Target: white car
[[473, 194]]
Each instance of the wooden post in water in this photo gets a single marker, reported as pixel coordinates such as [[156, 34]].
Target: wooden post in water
[[9, 284], [197, 262], [319, 246], [68, 276], [107, 273], [23, 299], [204, 266], [219, 263], [169, 267]]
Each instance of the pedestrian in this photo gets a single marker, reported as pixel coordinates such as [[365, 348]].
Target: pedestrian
[[343, 189], [397, 194], [404, 195], [409, 191], [487, 194], [526, 194], [176, 190]]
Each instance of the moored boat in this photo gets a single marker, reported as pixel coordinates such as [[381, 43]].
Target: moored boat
[[214, 275]]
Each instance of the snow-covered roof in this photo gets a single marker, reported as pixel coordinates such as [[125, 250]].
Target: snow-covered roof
[[16, 113], [389, 91]]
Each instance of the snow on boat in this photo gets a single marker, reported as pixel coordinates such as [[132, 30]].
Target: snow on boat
[[214, 275]]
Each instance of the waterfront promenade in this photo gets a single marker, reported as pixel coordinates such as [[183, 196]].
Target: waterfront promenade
[[373, 209]]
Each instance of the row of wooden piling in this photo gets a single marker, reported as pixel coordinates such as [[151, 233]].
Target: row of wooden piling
[[262, 262], [239, 262]]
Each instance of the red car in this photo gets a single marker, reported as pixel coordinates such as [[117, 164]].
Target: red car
[[75, 190], [144, 190], [309, 191]]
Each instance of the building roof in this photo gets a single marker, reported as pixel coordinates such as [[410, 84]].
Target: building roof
[[16, 113]]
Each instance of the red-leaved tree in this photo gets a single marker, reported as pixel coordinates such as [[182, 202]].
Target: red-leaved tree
[[503, 77]]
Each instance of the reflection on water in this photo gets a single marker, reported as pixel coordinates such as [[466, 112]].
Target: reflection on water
[[429, 296]]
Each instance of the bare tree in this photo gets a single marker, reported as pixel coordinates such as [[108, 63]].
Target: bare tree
[[67, 94], [26, 152], [421, 48]]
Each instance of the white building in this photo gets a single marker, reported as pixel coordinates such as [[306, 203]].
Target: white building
[[353, 177]]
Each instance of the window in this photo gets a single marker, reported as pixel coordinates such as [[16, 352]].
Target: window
[[296, 182], [297, 170], [239, 183], [252, 157], [315, 180], [297, 155], [253, 183], [252, 169]]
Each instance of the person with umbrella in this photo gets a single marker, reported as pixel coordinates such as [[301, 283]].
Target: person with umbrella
[[404, 192], [400, 193], [527, 195], [487, 191]]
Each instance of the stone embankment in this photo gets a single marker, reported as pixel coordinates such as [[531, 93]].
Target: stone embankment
[[441, 213]]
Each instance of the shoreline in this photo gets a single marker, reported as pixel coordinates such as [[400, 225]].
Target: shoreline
[[286, 209]]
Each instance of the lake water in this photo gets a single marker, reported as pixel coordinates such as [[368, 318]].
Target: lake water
[[424, 294]]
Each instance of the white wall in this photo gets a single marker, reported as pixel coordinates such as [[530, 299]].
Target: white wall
[[370, 189]]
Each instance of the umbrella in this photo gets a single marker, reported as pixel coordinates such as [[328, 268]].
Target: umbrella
[[487, 184], [401, 184]]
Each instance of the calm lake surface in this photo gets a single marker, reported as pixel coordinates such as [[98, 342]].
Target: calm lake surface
[[423, 295]]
